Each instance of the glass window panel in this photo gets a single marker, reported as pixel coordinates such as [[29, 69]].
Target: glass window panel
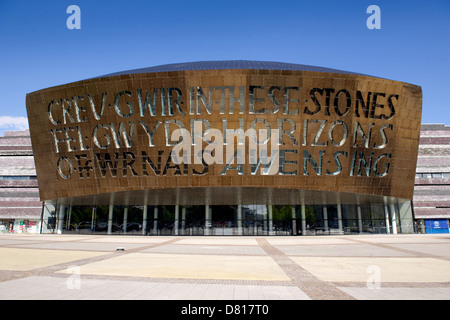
[[377, 212]]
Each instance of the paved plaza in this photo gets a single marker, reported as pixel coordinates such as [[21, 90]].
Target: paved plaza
[[365, 267]]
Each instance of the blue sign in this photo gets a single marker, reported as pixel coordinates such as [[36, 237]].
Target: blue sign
[[436, 226]]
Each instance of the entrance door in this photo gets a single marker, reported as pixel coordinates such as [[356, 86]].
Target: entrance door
[[193, 221], [254, 220], [166, 220], [223, 220]]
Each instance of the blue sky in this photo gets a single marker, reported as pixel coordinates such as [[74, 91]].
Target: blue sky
[[38, 50]]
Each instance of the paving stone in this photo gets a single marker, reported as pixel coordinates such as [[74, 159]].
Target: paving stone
[[258, 268]]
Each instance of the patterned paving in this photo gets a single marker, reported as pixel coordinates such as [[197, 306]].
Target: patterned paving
[[225, 268]]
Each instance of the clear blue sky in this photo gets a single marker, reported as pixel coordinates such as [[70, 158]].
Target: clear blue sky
[[38, 51]]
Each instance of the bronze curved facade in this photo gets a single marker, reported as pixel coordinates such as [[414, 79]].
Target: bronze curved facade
[[329, 137]]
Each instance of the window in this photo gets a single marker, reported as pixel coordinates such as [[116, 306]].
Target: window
[[434, 175], [17, 177]]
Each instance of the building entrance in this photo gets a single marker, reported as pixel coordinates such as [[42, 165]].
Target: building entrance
[[236, 220]]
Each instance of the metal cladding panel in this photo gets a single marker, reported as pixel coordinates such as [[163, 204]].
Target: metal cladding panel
[[230, 65], [335, 133]]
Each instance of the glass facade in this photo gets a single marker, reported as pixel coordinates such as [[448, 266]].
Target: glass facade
[[223, 220]]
